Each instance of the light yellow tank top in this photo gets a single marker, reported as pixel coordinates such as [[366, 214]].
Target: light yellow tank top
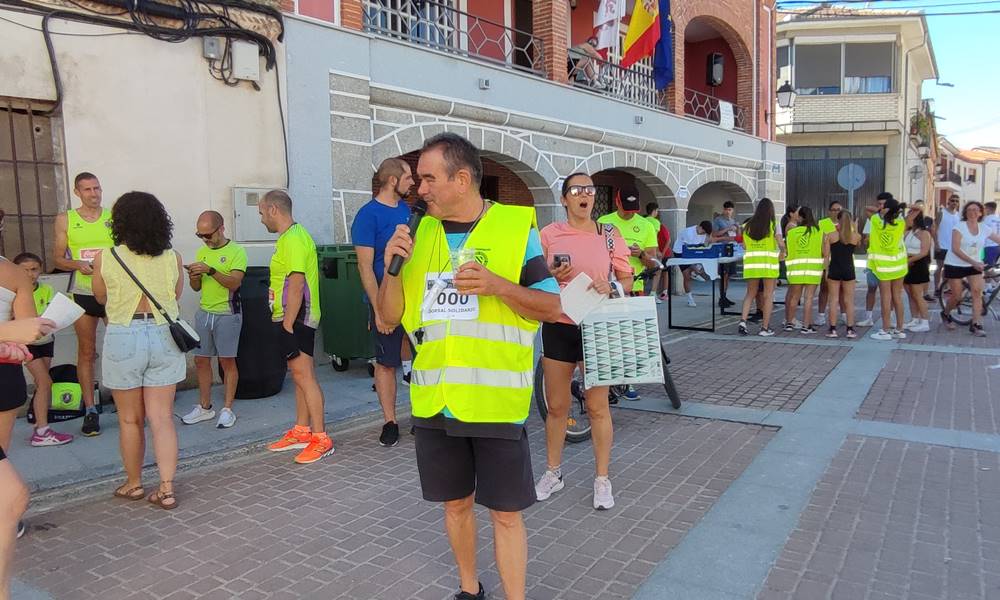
[[157, 273]]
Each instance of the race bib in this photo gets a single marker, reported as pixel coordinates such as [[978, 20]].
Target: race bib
[[89, 254], [443, 302]]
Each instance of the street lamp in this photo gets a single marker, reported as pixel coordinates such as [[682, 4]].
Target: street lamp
[[786, 96]]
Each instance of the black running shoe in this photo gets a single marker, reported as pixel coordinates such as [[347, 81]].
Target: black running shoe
[[390, 435], [91, 425], [467, 596], [726, 302]]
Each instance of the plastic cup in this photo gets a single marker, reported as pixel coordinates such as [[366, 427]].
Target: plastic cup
[[461, 256]]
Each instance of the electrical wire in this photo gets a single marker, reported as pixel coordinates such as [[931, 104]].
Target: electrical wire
[[198, 18], [68, 34]]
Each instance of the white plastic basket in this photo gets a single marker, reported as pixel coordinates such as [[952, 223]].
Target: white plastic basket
[[621, 343]]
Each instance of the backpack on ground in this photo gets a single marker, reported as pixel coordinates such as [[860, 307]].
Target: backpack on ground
[[67, 396]]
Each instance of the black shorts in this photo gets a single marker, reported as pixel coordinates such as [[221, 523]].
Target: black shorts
[[303, 338], [13, 388], [43, 350], [919, 272], [497, 470], [562, 342], [90, 305], [388, 348], [940, 254], [954, 272]]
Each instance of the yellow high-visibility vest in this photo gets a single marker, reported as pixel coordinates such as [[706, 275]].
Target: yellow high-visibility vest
[[804, 264], [761, 258], [481, 369], [886, 251]]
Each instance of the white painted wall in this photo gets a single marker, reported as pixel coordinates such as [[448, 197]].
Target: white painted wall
[[146, 115]]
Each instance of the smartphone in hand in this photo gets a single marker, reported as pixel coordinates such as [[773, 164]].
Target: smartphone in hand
[[562, 259]]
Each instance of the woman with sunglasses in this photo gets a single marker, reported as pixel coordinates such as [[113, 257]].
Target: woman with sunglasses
[[965, 261], [577, 246]]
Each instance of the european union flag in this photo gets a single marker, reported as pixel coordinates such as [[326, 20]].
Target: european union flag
[[663, 53]]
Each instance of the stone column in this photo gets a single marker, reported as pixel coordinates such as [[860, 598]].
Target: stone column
[[676, 220], [550, 24]]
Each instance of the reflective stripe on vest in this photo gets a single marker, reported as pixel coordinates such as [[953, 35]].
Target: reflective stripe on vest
[[886, 251], [805, 255], [760, 261], [480, 370]]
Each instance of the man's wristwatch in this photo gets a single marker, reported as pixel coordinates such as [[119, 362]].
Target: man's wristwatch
[[211, 271]]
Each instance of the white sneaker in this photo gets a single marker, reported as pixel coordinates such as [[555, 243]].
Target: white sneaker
[[897, 334], [865, 323], [911, 323], [549, 484], [881, 335], [820, 319], [227, 418], [197, 415], [691, 301], [603, 498], [921, 326]]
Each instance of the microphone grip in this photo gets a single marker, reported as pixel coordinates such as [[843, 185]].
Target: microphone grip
[[396, 265]]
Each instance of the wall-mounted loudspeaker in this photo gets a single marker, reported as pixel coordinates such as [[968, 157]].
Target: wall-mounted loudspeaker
[[714, 69]]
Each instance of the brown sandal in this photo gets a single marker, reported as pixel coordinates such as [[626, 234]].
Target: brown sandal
[[160, 497], [130, 494]]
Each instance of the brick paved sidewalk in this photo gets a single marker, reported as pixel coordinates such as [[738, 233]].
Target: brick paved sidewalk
[[354, 526]]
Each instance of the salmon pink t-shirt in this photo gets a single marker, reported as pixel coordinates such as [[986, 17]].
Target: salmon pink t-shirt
[[587, 251]]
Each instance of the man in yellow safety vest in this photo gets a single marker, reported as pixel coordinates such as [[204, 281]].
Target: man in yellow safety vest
[[470, 296]]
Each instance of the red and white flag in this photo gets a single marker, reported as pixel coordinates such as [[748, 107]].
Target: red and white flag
[[606, 24]]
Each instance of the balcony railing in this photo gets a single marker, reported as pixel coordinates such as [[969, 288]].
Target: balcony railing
[[441, 26], [950, 177], [631, 85], [708, 108]]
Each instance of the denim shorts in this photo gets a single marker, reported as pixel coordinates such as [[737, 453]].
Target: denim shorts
[[141, 354]]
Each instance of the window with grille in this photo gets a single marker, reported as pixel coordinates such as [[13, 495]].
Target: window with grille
[[31, 179]]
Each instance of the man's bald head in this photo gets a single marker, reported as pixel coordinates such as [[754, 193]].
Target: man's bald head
[[211, 218], [278, 199]]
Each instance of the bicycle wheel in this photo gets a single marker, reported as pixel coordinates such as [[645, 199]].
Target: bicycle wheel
[[578, 426], [962, 314], [668, 383]]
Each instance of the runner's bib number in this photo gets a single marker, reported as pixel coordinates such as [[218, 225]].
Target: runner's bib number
[[89, 254], [443, 302]]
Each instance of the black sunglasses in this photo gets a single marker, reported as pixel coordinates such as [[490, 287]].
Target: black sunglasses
[[208, 236]]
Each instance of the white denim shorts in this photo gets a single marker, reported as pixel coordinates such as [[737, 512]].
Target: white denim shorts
[[141, 354]]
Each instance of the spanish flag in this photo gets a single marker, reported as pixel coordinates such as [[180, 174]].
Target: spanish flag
[[643, 32]]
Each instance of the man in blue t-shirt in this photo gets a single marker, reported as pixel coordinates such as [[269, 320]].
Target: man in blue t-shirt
[[373, 226]]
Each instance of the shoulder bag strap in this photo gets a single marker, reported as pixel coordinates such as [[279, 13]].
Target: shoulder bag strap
[[609, 241], [141, 287]]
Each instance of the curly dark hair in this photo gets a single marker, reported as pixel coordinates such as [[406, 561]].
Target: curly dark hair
[[139, 221]]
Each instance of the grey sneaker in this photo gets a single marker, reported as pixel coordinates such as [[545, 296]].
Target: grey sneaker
[[227, 418], [603, 498], [198, 414], [549, 484]]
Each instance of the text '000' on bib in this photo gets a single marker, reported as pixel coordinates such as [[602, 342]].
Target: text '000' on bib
[[442, 302]]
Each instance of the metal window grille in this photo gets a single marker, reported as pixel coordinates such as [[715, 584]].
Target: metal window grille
[[31, 179]]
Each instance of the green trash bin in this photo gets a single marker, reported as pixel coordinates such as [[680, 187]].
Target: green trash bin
[[345, 309]]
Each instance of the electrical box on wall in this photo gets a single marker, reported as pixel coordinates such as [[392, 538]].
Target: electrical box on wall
[[248, 227], [246, 60]]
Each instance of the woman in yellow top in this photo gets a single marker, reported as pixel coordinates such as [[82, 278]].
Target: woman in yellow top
[[141, 362], [804, 266], [761, 264]]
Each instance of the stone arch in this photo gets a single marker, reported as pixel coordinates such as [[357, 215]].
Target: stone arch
[[512, 152], [658, 178], [741, 187]]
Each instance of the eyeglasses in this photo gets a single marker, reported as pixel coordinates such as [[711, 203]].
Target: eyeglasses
[[207, 236], [579, 190]]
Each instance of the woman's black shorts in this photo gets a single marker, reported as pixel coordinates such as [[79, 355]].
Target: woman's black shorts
[[955, 272], [13, 388], [562, 342]]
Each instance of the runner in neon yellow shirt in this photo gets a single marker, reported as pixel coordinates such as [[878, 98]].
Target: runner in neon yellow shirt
[[294, 296], [638, 233]]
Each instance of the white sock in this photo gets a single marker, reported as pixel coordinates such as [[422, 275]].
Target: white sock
[[407, 366], [42, 430], [690, 297], [868, 315]]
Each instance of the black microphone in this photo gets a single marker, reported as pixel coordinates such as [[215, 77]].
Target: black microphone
[[417, 212]]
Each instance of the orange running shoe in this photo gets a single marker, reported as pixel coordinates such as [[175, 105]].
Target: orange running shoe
[[295, 438], [320, 446]]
